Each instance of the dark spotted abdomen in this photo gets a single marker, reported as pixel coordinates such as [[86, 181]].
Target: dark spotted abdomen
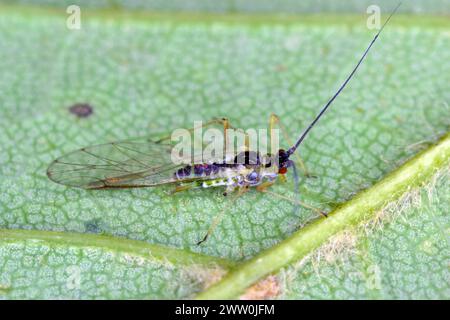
[[247, 158], [197, 170]]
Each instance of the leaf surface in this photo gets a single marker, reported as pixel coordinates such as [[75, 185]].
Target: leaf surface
[[146, 74]]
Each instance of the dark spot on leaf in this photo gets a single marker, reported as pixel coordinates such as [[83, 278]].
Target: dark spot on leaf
[[93, 226], [81, 110]]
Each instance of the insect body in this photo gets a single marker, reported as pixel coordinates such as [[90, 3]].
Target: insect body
[[251, 173], [132, 164]]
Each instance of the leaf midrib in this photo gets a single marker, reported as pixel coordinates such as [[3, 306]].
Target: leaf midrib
[[115, 244], [257, 19]]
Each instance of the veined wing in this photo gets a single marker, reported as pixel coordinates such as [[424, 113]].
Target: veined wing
[[124, 164]]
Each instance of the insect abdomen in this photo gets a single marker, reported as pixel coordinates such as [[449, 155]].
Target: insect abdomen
[[197, 170], [213, 183], [210, 183]]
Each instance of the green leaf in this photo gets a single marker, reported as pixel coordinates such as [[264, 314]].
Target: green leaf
[[55, 265], [147, 74]]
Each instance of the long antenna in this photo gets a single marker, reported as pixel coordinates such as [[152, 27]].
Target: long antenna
[[299, 141]]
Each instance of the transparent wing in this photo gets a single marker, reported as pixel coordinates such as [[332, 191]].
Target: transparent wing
[[124, 164]]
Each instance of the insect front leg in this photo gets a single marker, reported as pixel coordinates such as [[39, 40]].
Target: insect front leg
[[305, 205], [274, 122], [265, 185]]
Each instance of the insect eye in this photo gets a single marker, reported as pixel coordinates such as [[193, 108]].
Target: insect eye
[[252, 176]]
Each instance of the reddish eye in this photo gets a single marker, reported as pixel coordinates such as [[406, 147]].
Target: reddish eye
[[282, 170]]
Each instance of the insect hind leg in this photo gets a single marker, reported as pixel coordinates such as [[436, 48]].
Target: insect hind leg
[[220, 216], [215, 121], [181, 188]]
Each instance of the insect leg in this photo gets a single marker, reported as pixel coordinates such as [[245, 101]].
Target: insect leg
[[181, 188], [228, 190], [226, 125], [305, 205], [274, 121], [220, 216], [263, 186], [222, 121]]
